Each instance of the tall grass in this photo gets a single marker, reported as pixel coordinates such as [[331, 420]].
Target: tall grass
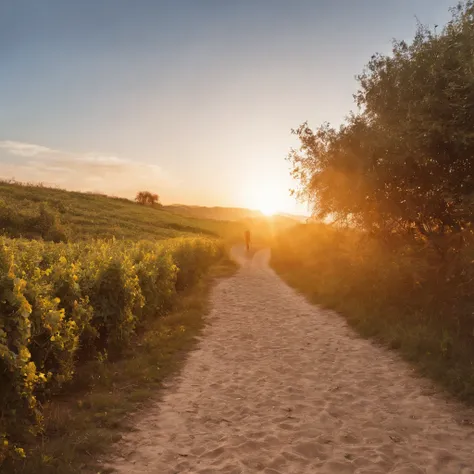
[[400, 292]]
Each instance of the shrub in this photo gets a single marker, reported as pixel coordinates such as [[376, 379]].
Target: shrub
[[157, 275], [18, 374], [66, 278], [60, 303], [115, 294], [47, 225], [40, 223], [191, 256]]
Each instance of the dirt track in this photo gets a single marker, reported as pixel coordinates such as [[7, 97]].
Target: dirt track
[[280, 386]]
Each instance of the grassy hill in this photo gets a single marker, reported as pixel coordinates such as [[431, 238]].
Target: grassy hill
[[55, 214]]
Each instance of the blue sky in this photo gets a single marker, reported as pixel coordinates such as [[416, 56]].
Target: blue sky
[[193, 99]]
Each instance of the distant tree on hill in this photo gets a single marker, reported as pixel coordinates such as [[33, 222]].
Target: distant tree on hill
[[140, 198], [147, 198]]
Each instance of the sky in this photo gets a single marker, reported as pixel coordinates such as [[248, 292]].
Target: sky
[[192, 99]]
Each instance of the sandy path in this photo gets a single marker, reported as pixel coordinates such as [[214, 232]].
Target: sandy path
[[280, 386]]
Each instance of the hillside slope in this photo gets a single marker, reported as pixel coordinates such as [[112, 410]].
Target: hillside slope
[[28, 210], [216, 213], [230, 213]]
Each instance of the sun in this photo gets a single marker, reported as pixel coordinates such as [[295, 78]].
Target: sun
[[267, 208], [265, 195], [267, 201]]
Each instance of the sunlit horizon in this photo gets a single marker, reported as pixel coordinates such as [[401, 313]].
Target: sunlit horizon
[[193, 100]]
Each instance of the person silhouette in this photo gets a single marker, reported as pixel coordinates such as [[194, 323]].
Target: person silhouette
[[247, 239]]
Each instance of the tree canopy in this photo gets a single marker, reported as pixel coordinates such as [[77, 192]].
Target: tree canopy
[[146, 197], [405, 161]]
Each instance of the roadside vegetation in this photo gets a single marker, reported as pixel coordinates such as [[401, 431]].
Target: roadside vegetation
[[100, 298], [392, 191], [69, 309]]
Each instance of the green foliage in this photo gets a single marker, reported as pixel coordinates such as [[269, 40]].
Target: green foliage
[[115, 296], [405, 162], [47, 225], [18, 374], [62, 303], [157, 273], [192, 259]]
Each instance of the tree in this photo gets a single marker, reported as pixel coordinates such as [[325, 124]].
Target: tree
[[146, 197], [141, 198], [405, 162]]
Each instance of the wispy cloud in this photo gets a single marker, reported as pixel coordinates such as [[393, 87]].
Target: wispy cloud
[[81, 171], [23, 149]]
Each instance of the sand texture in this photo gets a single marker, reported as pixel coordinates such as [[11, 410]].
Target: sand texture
[[278, 385]]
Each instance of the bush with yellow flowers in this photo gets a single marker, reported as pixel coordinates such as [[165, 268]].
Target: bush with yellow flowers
[[62, 303]]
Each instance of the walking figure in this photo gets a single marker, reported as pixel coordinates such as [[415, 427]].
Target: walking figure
[[247, 239]]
